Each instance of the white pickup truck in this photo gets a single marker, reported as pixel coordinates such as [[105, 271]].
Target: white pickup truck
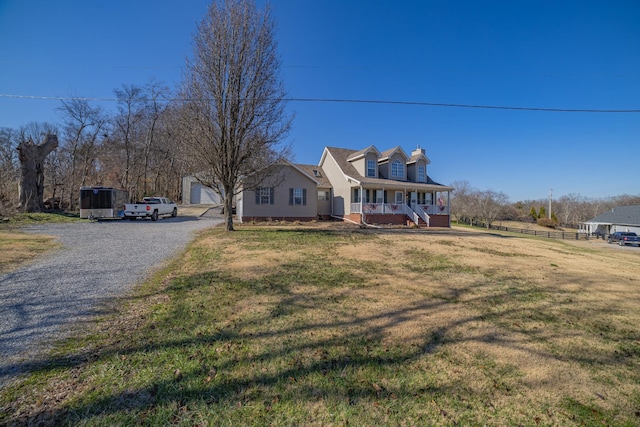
[[150, 207]]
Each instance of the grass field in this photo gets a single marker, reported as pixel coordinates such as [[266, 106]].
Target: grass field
[[323, 326], [18, 248]]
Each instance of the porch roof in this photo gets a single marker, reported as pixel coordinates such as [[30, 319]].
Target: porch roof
[[390, 184]]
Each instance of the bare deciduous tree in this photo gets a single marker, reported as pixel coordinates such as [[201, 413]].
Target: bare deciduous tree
[[32, 158], [234, 111], [8, 170], [83, 125], [131, 106], [462, 201], [154, 109], [489, 205]]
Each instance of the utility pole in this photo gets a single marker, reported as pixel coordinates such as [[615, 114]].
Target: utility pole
[[550, 194]]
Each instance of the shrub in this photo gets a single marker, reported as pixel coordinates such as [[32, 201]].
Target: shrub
[[533, 214], [542, 213], [547, 222]]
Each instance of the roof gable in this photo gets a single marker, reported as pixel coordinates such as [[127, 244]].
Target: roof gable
[[414, 158], [385, 155], [340, 156], [359, 154]]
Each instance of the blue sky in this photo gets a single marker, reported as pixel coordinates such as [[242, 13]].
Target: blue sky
[[539, 54]]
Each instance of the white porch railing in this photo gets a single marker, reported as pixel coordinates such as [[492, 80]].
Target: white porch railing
[[436, 210], [399, 208], [386, 208], [421, 213], [380, 208]]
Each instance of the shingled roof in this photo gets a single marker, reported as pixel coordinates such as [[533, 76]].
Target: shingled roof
[[317, 173], [341, 156], [621, 215]]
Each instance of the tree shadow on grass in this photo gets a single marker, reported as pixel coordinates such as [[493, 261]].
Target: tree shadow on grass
[[257, 362]]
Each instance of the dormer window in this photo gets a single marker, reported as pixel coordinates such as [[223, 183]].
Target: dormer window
[[421, 174], [371, 168], [397, 169]]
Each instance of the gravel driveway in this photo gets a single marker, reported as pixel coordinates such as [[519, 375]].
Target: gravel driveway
[[97, 262]]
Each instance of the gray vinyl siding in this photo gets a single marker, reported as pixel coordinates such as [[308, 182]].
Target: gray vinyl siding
[[341, 188], [324, 206], [280, 207], [412, 171]]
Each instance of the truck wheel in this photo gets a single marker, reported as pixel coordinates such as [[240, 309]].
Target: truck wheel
[[154, 216], [175, 212]]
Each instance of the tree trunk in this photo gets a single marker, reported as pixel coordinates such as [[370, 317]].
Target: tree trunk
[[228, 209], [31, 158]]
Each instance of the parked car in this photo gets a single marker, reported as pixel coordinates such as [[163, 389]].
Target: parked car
[[624, 238], [150, 207]]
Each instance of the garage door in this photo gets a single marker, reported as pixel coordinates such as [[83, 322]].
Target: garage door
[[201, 195]]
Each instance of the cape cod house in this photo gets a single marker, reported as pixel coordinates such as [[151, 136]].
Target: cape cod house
[[366, 187]]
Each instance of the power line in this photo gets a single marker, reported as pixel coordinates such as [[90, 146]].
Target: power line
[[494, 107], [355, 101]]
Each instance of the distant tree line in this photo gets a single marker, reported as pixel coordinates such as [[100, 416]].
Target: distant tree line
[[135, 148], [472, 206]]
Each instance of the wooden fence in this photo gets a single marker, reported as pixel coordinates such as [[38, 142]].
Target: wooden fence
[[551, 234]]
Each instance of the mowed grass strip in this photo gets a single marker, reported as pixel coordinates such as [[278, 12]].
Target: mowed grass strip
[[18, 248], [315, 326]]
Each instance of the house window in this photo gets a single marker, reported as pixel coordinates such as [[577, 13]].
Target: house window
[[399, 197], [371, 168], [264, 196], [421, 174], [397, 169], [323, 195], [298, 196], [356, 196]]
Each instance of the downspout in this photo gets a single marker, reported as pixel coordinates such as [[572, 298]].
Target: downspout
[[331, 212], [362, 204], [345, 219]]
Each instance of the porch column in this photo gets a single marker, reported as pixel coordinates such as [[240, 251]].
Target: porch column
[[361, 204], [449, 206]]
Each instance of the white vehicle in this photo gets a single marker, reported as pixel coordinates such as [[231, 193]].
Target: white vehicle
[[150, 207]]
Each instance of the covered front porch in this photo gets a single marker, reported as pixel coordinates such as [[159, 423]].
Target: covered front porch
[[423, 207]]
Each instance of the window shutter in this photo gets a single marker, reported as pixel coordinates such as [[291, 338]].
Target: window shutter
[[304, 197], [257, 196], [271, 201], [291, 196]]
